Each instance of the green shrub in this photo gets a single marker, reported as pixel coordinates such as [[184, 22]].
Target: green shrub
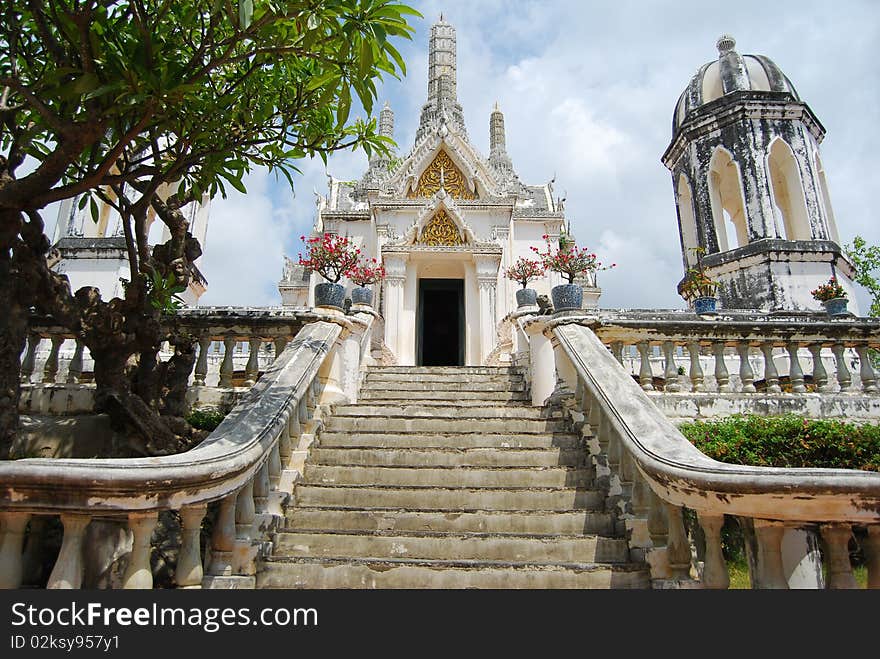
[[206, 419], [788, 441]]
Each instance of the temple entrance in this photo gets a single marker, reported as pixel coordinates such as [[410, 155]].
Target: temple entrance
[[440, 338]]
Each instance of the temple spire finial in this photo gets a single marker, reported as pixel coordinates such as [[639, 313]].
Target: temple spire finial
[[497, 137]]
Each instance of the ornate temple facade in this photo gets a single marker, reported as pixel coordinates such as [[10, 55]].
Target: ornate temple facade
[[446, 222]]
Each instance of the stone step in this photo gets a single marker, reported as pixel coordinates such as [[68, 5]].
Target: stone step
[[475, 457], [470, 477], [331, 438], [431, 411], [450, 499], [451, 397], [445, 386], [406, 521], [584, 549], [444, 370], [365, 573], [455, 378], [462, 424]]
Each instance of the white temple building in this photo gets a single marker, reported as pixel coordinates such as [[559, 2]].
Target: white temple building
[[446, 222]]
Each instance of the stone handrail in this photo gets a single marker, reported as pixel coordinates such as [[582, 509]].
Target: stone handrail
[[243, 464], [652, 471], [758, 340]]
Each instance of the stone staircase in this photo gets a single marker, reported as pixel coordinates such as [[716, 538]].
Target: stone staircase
[[447, 477]]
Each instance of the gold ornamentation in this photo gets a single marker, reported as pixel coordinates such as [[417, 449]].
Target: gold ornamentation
[[442, 173], [441, 230]]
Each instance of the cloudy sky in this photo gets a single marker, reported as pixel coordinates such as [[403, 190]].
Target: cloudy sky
[[588, 91]]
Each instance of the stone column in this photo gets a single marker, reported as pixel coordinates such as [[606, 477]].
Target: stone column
[[487, 282], [68, 570], [201, 370], [395, 280], [12, 526]]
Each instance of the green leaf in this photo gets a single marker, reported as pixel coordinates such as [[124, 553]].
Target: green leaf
[[245, 13]]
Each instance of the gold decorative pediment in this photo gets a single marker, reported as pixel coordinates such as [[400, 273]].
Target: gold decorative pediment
[[441, 230], [442, 173]]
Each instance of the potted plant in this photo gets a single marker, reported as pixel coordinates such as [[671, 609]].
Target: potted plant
[[698, 288], [832, 296], [331, 256], [362, 275], [523, 271], [570, 261]]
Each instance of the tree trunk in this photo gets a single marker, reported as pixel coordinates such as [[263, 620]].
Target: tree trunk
[[13, 333]]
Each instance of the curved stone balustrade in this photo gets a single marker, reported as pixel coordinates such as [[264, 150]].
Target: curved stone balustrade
[[651, 471], [235, 345], [248, 465]]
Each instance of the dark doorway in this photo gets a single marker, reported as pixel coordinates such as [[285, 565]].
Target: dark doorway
[[441, 322]]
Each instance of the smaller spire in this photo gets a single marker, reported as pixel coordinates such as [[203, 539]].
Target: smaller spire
[[725, 44], [497, 109], [386, 121], [497, 140]]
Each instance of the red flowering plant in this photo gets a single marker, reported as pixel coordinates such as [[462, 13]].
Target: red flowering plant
[[525, 270], [365, 273], [829, 291], [330, 255], [568, 259]]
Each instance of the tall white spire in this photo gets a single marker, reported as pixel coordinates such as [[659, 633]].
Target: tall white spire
[[441, 60], [442, 104]]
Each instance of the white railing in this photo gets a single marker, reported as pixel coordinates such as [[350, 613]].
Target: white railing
[[248, 465], [651, 471]]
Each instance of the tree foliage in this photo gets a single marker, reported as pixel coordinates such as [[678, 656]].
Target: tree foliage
[[148, 105], [866, 259]]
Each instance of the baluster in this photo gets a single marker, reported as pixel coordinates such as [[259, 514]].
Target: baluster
[[746, 374], [74, 371], [820, 376], [641, 496], [12, 526], [678, 549], [226, 366], [138, 574], [617, 351], [722, 377], [627, 469], [244, 510], [223, 535], [201, 371], [836, 537], [871, 548], [50, 369], [646, 377], [844, 377], [303, 410], [261, 489], [252, 370], [866, 370], [714, 567], [280, 345], [30, 358], [696, 374], [671, 371], [657, 526], [68, 570], [274, 463], [771, 375], [771, 574], [795, 372], [189, 570]]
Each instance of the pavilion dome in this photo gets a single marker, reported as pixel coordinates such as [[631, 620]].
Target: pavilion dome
[[731, 72]]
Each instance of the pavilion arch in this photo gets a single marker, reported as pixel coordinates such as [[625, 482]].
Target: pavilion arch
[[687, 219], [788, 191], [830, 222], [726, 196]]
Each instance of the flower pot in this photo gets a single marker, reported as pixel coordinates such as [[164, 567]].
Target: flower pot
[[362, 295], [704, 305], [330, 295], [567, 297], [836, 306], [526, 297]]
